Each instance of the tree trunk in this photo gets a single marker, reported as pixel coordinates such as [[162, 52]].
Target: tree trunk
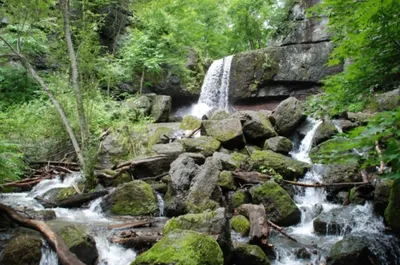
[[57, 243], [141, 81], [74, 71], [258, 223]]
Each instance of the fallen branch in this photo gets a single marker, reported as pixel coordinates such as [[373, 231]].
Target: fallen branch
[[282, 231], [57, 243], [158, 177], [25, 183], [259, 231], [133, 163], [129, 225], [190, 135]]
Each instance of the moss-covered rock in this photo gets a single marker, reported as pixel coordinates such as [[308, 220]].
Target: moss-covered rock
[[381, 195], [285, 166], [239, 197], [245, 254], [226, 180], [183, 247], [324, 132], [133, 198], [278, 144], [240, 224], [278, 204], [190, 122], [158, 136], [80, 243], [287, 116], [171, 150], [392, 212], [203, 144], [141, 105], [22, 250], [219, 115], [115, 181], [227, 131], [161, 108], [227, 161]]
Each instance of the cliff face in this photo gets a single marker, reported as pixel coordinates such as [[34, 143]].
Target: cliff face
[[293, 65]]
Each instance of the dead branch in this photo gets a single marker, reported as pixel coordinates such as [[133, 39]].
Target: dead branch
[[190, 135], [133, 163], [132, 224], [26, 183], [281, 230], [57, 243]]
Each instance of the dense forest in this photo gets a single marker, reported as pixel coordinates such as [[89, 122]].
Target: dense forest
[[181, 108]]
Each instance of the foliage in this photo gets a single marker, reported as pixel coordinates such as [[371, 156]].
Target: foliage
[[11, 163]]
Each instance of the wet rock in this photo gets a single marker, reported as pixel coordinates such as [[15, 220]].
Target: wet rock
[[134, 198], [203, 187], [392, 211], [226, 181], [245, 254], [190, 123], [345, 125], [42, 215], [227, 131], [183, 247], [161, 108], [324, 132], [214, 223], [279, 144], [341, 173], [287, 116], [381, 195], [152, 168], [203, 144], [80, 243], [22, 250], [278, 204], [283, 165], [256, 126], [240, 224], [335, 222], [302, 253]]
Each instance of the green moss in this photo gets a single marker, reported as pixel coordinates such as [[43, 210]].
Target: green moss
[[22, 250], [240, 224], [239, 198], [286, 166], [219, 115], [156, 137], [392, 212], [66, 192], [226, 180], [250, 254], [188, 221], [202, 204], [190, 123], [239, 158], [183, 247], [73, 235], [204, 145]]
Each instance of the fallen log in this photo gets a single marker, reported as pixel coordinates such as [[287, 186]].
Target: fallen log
[[259, 230], [73, 201], [129, 225], [57, 243], [282, 231], [132, 163], [25, 183]]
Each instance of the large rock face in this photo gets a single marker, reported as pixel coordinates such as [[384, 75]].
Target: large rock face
[[133, 198], [22, 250], [183, 247]]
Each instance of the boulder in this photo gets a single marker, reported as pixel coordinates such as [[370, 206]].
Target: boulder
[[160, 136], [226, 180], [141, 105], [392, 211], [219, 115], [279, 144], [278, 204], [133, 198], [227, 161], [381, 195], [341, 173], [388, 100], [41, 215], [190, 122], [335, 222], [345, 125], [171, 150], [256, 126], [201, 194], [114, 181], [112, 151], [80, 243], [328, 148], [161, 108], [22, 250], [183, 247], [360, 118], [287, 116], [203, 144], [214, 223], [283, 165], [324, 132], [227, 131], [150, 168], [240, 224], [239, 197], [245, 254]]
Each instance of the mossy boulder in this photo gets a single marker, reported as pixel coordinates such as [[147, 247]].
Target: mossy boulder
[[388, 100], [245, 254], [278, 204], [324, 132], [392, 212], [227, 161], [80, 243], [226, 180], [158, 137], [22, 250], [341, 173], [133, 198], [219, 115], [381, 195], [278, 144], [190, 122], [240, 224], [326, 149], [203, 144], [160, 108], [183, 247], [287, 116], [141, 105], [172, 150], [283, 165], [115, 181], [239, 197], [256, 126], [227, 131]]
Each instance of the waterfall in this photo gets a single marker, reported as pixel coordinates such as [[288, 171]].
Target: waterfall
[[160, 204], [214, 91]]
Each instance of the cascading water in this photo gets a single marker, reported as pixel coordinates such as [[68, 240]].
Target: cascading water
[[214, 91]]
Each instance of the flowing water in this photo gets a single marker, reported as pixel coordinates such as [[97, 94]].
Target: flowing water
[[214, 91]]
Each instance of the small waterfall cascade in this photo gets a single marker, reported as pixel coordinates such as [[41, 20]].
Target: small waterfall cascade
[[360, 220], [161, 204], [214, 91]]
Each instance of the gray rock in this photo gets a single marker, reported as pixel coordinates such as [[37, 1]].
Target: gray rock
[[288, 115], [228, 131], [161, 108], [22, 250], [203, 144], [141, 105], [279, 144], [226, 161], [245, 254], [219, 115], [341, 173], [345, 125], [388, 100], [324, 132], [172, 150], [381, 195], [338, 221]]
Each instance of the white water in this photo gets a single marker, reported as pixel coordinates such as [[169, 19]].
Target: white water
[[161, 204], [214, 91]]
